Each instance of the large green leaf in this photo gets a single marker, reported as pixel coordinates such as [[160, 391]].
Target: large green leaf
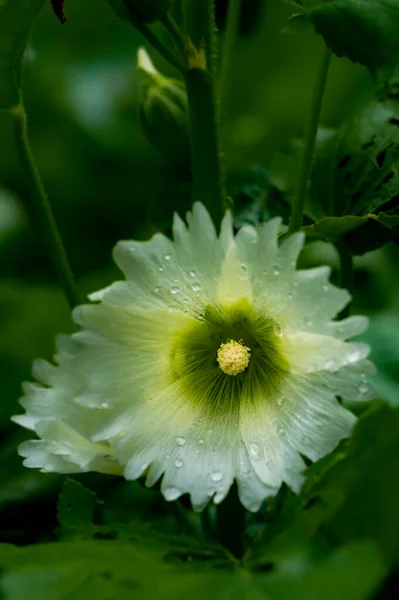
[[343, 489], [16, 20], [355, 178], [155, 569], [366, 31]]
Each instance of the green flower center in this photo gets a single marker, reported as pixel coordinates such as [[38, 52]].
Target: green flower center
[[228, 353]]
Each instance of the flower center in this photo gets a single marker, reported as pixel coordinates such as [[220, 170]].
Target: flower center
[[233, 357]]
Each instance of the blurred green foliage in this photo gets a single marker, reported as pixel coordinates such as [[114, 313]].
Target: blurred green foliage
[[106, 183]]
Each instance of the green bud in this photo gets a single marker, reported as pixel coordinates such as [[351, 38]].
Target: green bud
[[146, 10], [163, 110]]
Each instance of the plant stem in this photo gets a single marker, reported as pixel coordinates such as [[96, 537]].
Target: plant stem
[[232, 25], [206, 157], [176, 33], [310, 141], [157, 44], [346, 272], [54, 241], [200, 24], [230, 523]]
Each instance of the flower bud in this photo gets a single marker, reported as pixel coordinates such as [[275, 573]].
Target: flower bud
[[163, 110], [146, 10]]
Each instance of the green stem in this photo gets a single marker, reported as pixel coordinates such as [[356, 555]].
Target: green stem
[[206, 157], [346, 272], [200, 24], [310, 142], [230, 523], [157, 44], [176, 33], [43, 207], [227, 68]]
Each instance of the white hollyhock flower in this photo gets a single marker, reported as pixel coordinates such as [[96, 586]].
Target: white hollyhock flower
[[215, 360]]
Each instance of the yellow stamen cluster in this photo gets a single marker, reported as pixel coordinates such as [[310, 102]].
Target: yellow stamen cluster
[[233, 357]]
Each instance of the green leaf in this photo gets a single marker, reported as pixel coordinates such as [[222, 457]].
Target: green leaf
[[16, 20], [361, 234], [154, 569], [365, 31], [344, 489], [355, 179], [76, 505], [298, 22]]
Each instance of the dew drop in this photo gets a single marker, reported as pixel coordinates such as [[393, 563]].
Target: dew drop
[[167, 256], [219, 496], [157, 289], [254, 507], [217, 476], [280, 432], [277, 330], [201, 441], [244, 268], [363, 388], [180, 441], [276, 271], [172, 493], [161, 268], [193, 273], [290, 296], [330, 365], [200, 317], [104, 405], [354, 357], [178, 463], [281, 400], [325, 288], [253, 450], [196, 287], [175, 290]]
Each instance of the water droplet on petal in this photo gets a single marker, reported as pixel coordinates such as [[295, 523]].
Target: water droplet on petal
[[175, 290], [330, 365], [172, 493], [277, 330], [363, 388], [325, 288], [280, 432], [193, 273], [201, 441], [253, 450], [180, 441], [219, 496], [196, 287], [167, 256], [354, 357], [157, 289], [276, 271], [217, 476], [200, 317], [281, 400], [104, 405], [254, 507], [161, 268], [178, 463], [290, 296]]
